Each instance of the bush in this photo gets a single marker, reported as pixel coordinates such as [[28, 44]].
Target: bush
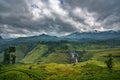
[[109, 62]]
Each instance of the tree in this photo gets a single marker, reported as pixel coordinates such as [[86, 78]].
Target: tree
[[13, 59], [8, 58], [109, 62], [12, 49]]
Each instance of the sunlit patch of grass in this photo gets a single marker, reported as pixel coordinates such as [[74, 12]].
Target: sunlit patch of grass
[[89, 70]]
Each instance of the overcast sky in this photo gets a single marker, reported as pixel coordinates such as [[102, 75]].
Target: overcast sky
[[21, 18]]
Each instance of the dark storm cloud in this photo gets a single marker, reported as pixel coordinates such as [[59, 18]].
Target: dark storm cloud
[[57, 17]]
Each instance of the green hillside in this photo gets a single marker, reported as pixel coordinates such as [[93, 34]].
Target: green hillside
[[53, 61], [89, 70], [43, 53], [60, 53], [35, 55]]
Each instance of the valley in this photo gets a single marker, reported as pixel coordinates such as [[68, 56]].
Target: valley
[[70, 57]]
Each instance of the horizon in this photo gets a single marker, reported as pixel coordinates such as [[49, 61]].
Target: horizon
[[95, 31]]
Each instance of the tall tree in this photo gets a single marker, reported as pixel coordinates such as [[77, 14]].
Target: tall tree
[[8, 58], [12, 49]]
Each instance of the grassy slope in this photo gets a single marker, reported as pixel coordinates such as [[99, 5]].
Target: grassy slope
[[60, 54], [21, 51], [89, 70], [56, 58], [36, 53], [98, 54]]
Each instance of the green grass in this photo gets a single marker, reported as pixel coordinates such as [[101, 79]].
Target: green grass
[[35, 54], [56, 58], [10, 75], [89, 70], [59, 52], [43, 53]]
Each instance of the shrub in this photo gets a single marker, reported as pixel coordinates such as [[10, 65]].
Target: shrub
[[109, 62]]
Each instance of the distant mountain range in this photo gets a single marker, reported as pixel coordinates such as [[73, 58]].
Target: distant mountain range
[[94, 35], [76, 36]]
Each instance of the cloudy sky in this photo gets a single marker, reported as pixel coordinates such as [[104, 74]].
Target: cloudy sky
[[21, 18]]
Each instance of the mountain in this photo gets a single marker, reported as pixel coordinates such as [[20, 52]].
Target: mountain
[[26, 40], [76, 36], [94, 35], [84, 37], [34, 39]]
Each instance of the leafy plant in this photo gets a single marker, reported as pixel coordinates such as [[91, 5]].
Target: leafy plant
[[109, 62]]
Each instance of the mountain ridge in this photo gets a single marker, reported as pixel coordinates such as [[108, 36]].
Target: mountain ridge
[[94, 35], [76, 36]]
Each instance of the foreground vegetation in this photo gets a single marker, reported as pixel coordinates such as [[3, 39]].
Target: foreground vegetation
[[89, 70]]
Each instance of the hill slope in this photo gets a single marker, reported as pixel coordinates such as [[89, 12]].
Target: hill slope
[[61, 53]]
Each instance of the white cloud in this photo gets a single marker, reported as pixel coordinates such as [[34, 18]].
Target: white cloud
[[88, 17]]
